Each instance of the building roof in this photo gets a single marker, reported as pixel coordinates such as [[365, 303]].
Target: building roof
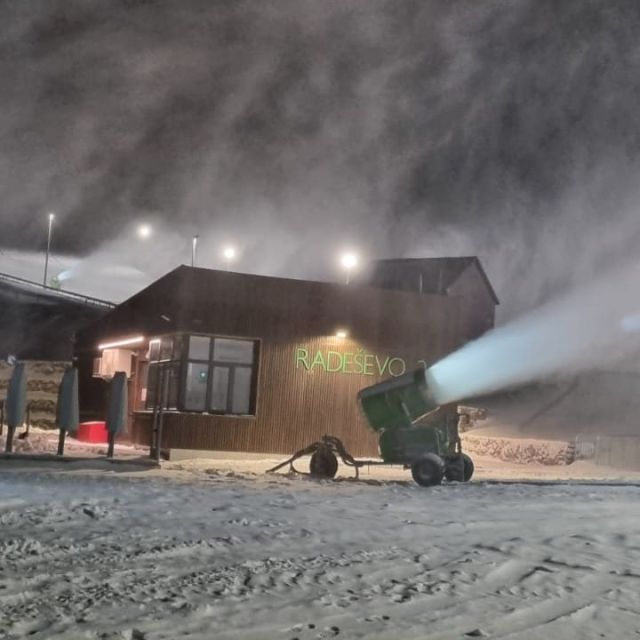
[[27, 291], [191, 297], [436, 274]]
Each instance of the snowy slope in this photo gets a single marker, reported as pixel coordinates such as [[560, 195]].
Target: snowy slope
[[600, 402]]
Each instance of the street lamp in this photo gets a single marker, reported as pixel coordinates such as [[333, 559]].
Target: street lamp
[[229, 254], [194, 247], [144, 231], [349, 261], [46, 260]]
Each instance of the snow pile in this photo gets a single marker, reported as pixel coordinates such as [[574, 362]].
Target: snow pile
[[36, 442], [46, 441]]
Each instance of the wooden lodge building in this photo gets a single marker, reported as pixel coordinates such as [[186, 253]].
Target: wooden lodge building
[[259, 364]]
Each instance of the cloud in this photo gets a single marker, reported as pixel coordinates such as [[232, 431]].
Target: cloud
[[292, 128]]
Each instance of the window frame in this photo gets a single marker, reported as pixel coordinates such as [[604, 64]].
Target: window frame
[[182, 360]]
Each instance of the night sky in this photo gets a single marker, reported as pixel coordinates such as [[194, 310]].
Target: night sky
[[506, 129]]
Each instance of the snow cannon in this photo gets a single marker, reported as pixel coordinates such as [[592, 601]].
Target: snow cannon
[[414, 430]]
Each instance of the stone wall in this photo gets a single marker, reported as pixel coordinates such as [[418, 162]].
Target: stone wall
[[43, 379], [522, 451]]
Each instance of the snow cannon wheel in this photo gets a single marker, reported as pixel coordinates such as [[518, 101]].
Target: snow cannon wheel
[[428, 470], [323, 464], [460, 470], [468, 467]]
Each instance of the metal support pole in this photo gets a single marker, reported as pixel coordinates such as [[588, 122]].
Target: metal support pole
[[163, 403], [157, 410], [9, 443], [194, 246], [154, 422], [26, 433], [46, 260], [61, 437], [111, 443]]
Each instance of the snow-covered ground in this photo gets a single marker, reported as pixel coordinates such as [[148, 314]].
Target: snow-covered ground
[[197, 553]]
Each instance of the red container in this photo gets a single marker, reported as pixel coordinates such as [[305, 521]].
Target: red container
[[92, 432]]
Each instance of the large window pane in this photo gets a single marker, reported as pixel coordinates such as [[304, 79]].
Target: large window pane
[[241, 400], [235, 351], [178, 346], [173, 371], [154, 349], [196, 386], [152, 385], [199, 347], [166, 348], [219, 388]]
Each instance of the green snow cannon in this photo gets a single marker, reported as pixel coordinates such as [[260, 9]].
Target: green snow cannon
[[414, 431]]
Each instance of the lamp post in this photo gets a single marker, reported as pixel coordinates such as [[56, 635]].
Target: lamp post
[[349, 261], [46, 260], [229, 254], [194, 246]]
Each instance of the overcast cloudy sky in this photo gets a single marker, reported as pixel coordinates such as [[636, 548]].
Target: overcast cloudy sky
[[294, 128]]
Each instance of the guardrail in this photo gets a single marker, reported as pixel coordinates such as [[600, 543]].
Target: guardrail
[[96, 302]]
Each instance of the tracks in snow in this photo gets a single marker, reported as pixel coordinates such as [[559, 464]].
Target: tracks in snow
[[253, 562]]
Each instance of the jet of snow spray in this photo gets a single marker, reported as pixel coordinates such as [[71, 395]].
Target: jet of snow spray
[[595, 324]]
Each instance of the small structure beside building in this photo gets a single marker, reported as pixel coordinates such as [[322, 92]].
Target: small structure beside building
[[38, 326], [463, 278], [257, 364]]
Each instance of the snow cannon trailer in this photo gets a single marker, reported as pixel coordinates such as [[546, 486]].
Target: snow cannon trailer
[[413, 431]]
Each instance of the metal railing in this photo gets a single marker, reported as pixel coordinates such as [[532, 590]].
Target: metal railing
[[69, 295]]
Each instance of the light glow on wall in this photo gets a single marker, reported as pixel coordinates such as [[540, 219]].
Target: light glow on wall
[[121, 343]]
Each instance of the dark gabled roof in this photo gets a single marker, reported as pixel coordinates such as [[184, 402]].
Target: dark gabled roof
[[436, 274], [188, 298], [34, 292]]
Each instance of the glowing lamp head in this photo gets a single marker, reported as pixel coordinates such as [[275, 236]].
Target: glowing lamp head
[[349, 260], [229, 253], [51, 217], [341, 333], [144, 231]]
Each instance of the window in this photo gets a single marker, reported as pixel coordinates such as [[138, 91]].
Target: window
[[203, 374], [195, 397], [199, 347], [225, 350], [166, 348], [163, 375], [152, 384], [154, 350], [231, 389], [241, 394], [173, 385], [219, 389]]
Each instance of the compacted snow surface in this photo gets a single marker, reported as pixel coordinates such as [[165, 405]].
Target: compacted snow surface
[[117, 556]]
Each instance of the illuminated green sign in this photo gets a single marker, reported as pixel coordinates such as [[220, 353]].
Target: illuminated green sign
[[358, 362]]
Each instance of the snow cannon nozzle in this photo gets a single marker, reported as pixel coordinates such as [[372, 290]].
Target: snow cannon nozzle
[[400, 401]]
